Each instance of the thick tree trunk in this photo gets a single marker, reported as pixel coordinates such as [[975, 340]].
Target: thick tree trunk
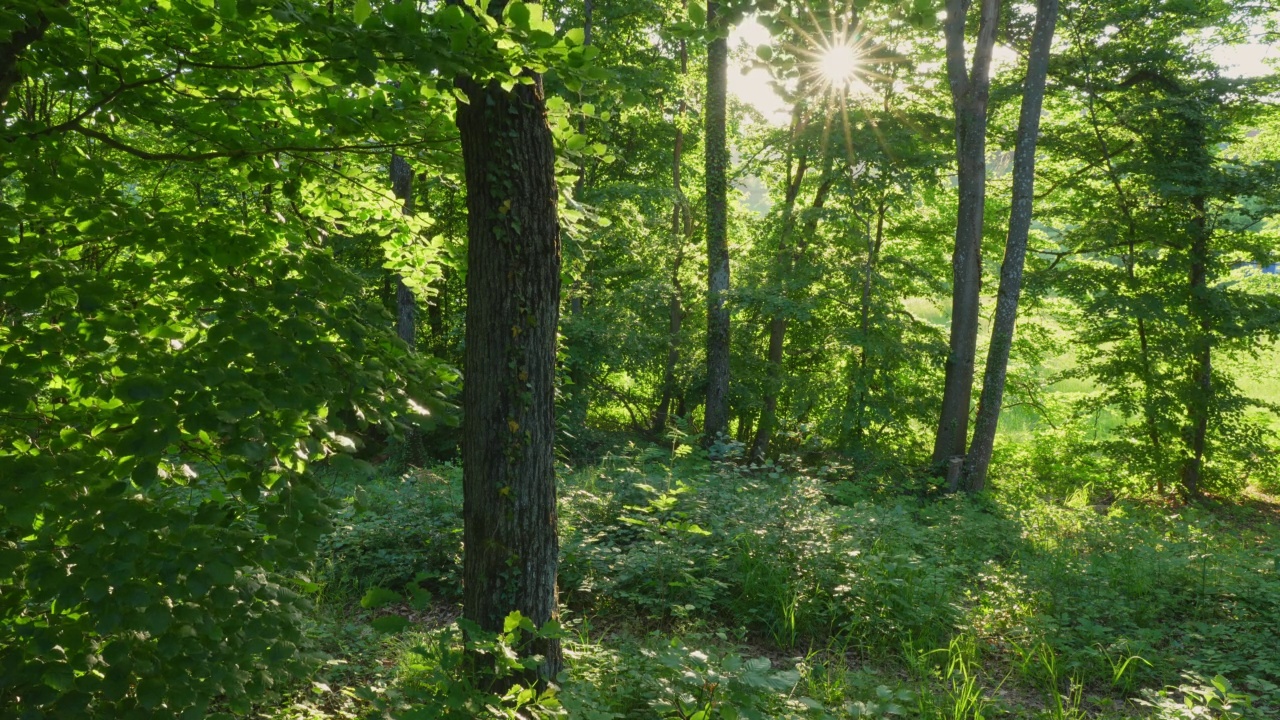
[[513, 301], [1200, 396], [1015, 251], [969, 91], [716, 420], [406, 308]]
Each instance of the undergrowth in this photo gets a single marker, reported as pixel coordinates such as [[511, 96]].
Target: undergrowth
[[701, 589]]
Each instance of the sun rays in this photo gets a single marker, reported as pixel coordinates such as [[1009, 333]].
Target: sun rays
[[838, 64], [839, 67]]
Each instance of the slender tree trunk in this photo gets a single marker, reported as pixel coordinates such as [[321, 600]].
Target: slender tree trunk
[[1015, 251], [675, 321], [969, 90], [864, 324], [716, 420], [406, 307], [1147, 376], [789, 258], [435, 310], [778, 320], [579, 381], [746, 424], [1200, 397], [681, 222], [513, 301]]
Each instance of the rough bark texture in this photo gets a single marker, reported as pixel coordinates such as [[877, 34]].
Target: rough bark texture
[[1015, 249], [406, 307], [716, 420], [513, 300], [969, 90]]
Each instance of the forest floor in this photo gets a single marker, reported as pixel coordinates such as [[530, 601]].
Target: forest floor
[[807, 592]]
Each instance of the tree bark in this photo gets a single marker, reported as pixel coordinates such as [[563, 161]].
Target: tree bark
[[1015, 251], [513, 300], [716, 419], [969, 91], [406, 307]]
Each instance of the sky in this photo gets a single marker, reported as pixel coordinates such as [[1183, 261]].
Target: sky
[[1248, 60]]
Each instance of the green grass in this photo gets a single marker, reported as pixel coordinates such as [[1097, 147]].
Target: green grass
[[791, 593]]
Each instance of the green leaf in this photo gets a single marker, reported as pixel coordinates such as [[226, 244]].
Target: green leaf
[[697, 13], [519, 14], [574, 36], [59, 676], [63, 297], [389, 624], [361, 11], [377, 597]]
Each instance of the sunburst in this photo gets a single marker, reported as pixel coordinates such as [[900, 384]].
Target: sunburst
[[839, 62], [838, 65], [838, 59]]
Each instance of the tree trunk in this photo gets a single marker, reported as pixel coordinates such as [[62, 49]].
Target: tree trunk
[[969, 92], [1200, 397], [435, 311], [778, 320], [1131, 236], [788, 259], [716, 420], [675, 322], [406, 308], [580, 395], [681, 222], [513, 301], [746, 423], [1015, 252], [864, 324]]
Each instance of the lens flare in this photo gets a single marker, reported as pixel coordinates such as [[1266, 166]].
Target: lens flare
[[839, 64]]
